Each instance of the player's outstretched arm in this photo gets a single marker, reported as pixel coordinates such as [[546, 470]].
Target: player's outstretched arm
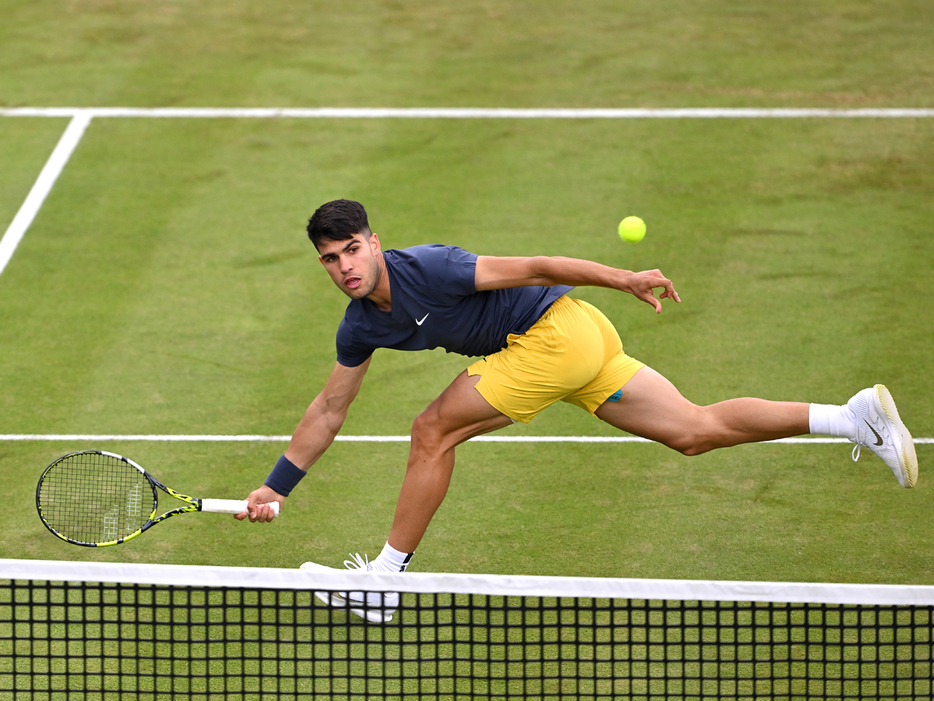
[[314, 433], [495, 273]]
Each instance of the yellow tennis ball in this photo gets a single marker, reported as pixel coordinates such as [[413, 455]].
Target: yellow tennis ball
[[632, 229]]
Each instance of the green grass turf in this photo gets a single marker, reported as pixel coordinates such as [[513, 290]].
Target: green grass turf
[[166, 285], [510, 53], [182, 301]]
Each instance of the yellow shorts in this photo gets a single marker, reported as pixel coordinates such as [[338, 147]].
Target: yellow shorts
[[573, 354]]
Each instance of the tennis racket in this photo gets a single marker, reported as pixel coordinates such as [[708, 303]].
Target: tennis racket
[[96, 498]]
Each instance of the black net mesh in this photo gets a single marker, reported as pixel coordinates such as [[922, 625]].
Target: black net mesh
[[113, 641]]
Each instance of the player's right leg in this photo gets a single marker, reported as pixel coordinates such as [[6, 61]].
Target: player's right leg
[[458, 414], [376, 607]]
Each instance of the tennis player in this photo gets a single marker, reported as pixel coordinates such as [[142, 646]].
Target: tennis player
[[536, 346]]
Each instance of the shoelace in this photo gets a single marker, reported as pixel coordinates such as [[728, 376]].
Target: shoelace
[[859, 443], [356, 562]]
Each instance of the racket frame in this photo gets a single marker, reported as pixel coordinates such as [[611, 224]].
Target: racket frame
[[190, 504]]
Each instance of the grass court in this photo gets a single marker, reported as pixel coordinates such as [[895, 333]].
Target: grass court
[[166, 286]]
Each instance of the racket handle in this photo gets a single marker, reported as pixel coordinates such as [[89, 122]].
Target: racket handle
[[230, 506]]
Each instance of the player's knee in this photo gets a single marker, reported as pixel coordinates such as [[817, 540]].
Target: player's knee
[[696, 441], [695, 448], [686, 445], [702, 437], [427, 434]]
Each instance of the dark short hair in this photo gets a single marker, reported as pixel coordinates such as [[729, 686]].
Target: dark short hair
[[337, 221]]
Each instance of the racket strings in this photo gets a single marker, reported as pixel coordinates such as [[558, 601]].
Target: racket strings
[[95, 498]]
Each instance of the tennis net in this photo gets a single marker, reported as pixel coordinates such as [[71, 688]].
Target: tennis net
[[111, 631]]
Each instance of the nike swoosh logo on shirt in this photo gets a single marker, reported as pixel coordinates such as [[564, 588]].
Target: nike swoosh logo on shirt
[[875, 433], [422, 320]]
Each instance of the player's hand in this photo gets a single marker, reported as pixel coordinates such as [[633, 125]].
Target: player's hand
[[643, 285], [258, 505]]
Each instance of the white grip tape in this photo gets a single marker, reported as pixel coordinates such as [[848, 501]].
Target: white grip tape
[[231, 506]]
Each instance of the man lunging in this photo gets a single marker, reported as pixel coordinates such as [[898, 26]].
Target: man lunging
[[537, 346]]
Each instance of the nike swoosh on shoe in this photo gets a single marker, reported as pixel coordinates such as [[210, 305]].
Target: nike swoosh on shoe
[[874, 432]]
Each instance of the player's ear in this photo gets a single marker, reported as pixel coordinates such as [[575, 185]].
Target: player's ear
[[374, 242]]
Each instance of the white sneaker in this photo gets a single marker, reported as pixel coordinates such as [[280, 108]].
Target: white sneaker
[[879, 428], [376, 606]]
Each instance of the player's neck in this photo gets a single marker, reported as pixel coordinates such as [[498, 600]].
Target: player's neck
[[381, 296]]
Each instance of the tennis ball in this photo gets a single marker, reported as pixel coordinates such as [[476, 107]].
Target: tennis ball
[[632, 229]]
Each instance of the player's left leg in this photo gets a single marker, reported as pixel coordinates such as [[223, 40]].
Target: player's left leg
[[652, 407]]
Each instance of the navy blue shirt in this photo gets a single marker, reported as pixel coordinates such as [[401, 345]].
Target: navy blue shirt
[[435, 304]]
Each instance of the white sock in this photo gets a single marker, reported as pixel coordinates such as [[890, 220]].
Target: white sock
[[391, 560], [832, 420]]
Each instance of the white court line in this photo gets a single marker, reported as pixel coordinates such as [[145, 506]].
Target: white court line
[[467, 113], [42, 187], [80, 437]]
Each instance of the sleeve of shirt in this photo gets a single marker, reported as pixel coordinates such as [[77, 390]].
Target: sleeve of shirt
[[460, 271], [350, 351], [445, 273]]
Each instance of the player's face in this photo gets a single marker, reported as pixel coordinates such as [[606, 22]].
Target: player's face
[[353, 264]]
